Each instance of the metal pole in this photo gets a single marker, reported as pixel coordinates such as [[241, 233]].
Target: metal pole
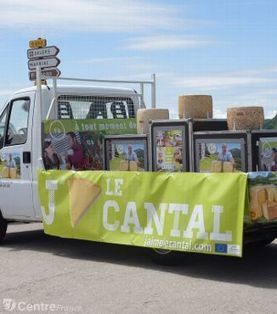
[[153, 91], [191, 146], [102, 81], [55, 97], [142, 95], [151, 82], [39, 113]]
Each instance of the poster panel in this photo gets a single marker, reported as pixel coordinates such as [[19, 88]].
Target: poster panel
[[268, 153], [78, 144], [220, 155], [129, 153], [10, 165]]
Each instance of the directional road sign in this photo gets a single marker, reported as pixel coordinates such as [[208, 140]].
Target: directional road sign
[[49, 51], [45, 74], [44, 63]]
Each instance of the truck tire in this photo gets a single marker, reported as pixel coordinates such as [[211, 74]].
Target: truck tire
[[260, 243], [3, 227]]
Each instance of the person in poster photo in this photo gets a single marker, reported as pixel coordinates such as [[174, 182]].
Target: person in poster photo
[[10, 163], [130, 154], [160, 158], [178, 155], [160, 139], [75, 156], [225, 154], [51, 159], [268, 154]]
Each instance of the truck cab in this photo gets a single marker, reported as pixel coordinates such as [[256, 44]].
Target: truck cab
[[21, 130]]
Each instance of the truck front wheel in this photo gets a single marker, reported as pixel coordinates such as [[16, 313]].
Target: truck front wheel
[[3, 227], [260, 243]]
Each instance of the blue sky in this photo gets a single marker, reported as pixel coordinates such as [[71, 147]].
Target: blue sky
[[223, 48]]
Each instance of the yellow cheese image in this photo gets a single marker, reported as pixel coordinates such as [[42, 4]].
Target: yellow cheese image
[[270, 210], [123, 166], [13, 174], [6, 172], [261, 196], [271, 193], [216, 166], [228, 166], [255, 205], [133, 166], [82, 194]]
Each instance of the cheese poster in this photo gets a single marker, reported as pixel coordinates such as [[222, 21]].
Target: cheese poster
[[263, 197], [190, 212]]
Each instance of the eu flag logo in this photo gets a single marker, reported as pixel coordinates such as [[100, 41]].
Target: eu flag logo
[[220, 248]]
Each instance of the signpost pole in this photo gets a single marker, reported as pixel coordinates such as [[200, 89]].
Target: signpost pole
[[39, 112]]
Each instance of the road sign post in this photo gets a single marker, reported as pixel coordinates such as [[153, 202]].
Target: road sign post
[[43, 57]]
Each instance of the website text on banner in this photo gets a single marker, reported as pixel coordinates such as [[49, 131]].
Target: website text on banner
[[185, 212]]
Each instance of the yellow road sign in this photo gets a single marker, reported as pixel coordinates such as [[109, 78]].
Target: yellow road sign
[[37, 43]]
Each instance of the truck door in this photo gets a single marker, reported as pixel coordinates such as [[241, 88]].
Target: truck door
[[16, 199]]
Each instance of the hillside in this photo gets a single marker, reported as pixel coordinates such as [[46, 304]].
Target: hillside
[[271, 123]]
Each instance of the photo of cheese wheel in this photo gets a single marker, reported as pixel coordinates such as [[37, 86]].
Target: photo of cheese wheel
[[257, 199], [271, 193], [270, 210], [228, 166], [216, 166], [82, 194]]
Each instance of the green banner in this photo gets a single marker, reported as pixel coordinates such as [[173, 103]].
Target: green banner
[[191, 212], [107, 126]]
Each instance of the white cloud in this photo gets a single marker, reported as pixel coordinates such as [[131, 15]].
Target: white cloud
[[88, 16], [220, 81], [109, 60], [165, 42]]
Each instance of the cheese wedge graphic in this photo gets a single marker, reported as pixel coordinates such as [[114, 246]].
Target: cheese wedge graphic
[[82, 194]]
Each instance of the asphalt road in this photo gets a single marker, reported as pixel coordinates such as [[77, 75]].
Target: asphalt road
[[40, 273]]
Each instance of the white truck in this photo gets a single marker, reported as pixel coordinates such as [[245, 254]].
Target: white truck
[[21, 142], [21, 129]]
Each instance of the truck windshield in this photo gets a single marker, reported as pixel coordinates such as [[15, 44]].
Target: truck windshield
[[95, 107]]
